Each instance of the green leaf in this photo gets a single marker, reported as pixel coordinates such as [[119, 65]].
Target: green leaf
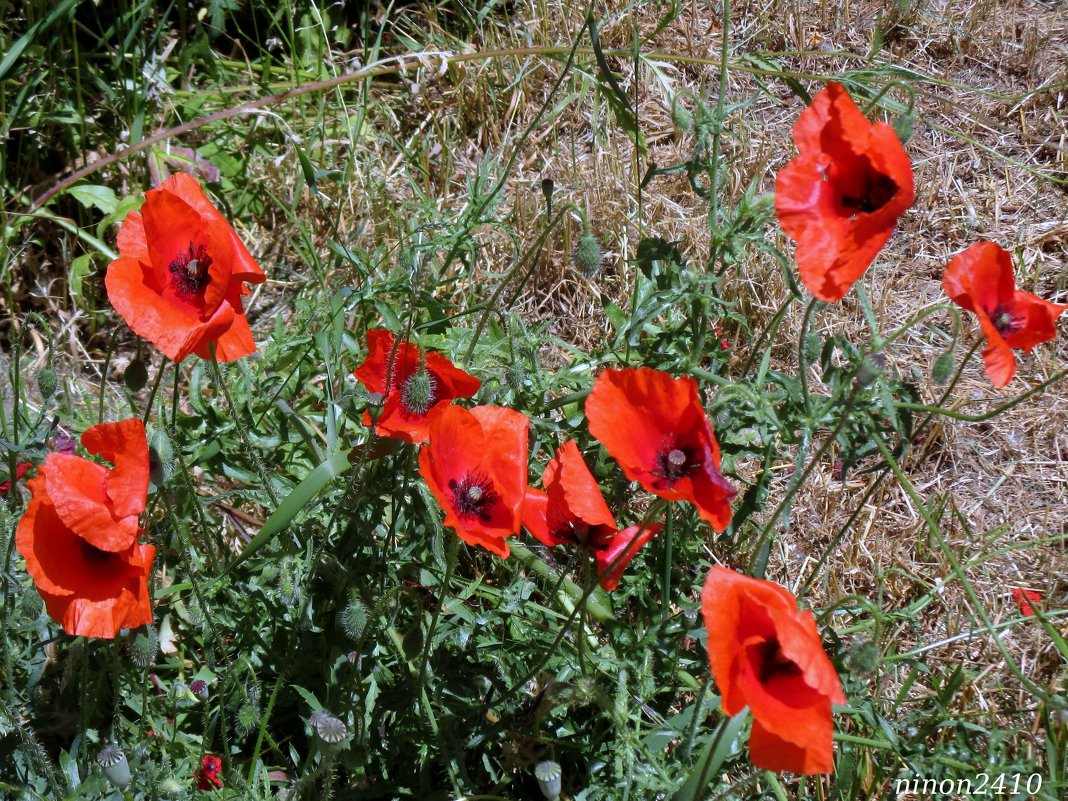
[[80, 268], [712, 758], [302, 495], [93, 196]]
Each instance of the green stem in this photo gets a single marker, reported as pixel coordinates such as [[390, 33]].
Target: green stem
[[665, 600], [155, 388], [758, 564], [239, 424], [450, 565], [979, 418]]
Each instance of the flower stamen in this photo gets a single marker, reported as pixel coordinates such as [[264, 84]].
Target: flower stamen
[[189, 271]]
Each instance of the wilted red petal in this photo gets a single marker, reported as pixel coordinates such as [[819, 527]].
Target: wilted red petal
[[1023, 599]]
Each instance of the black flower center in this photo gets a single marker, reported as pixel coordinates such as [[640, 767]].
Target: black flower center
[[1005, 321], [94, 555], [674, 462], [774, 664], [189, 271], [579, 532], [473, 496], [875, 191]]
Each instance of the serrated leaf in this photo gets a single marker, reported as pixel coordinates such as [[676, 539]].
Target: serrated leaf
[[93, 196]]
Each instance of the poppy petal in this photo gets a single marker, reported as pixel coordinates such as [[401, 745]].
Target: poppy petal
[[620, 550], [78, 489], [569, 482], [233, 342], [535, 517], [131, 238], [125, 445], [769, 751]]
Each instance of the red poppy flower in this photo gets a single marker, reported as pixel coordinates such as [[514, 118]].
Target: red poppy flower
[[841, 197], [573, 511], [207, 775], [181, 273], [79, 533], [766, 654], [20, 471], [655, 427], [980, 280], [413, 386], [476, 466], [1023, 599]]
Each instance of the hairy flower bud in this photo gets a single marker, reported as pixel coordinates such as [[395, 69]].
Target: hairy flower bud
[[588, 257], [47, 381], [419, 392], [144, 646], [943, 368]]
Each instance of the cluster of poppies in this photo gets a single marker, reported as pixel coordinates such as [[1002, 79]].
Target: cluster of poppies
[[840, 200], [179, 282]]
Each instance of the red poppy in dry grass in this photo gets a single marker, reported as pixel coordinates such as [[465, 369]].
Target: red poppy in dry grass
[[841, 197], [181, 273], [573, 511], [655, 427], [476, 467], [767, 655], [980, 280], [79, 533], [207, 775], [1023, 599], [412, 385]]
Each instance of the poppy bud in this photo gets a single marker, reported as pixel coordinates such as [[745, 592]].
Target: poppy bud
[[681, 117], [943, 368], [113, 760], [547, 187], [588, 255], [46, 382], [354, 618], [199, 688], [515, 376], [171, 788], [549, 774], [419, 392], [248, 718], [144, 646], [870, 369], [136, 375], [862, 659]]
